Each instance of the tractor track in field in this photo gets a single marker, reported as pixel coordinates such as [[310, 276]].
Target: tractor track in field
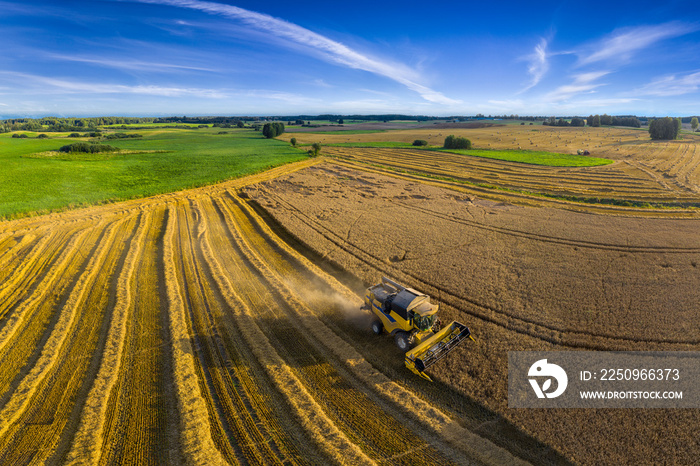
[[554, 239], [556, 334]]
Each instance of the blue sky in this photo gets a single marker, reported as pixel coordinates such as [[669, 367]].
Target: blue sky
[[191, 57]]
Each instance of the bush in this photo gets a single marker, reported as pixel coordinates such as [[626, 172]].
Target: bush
[[74, 135], [453, 142], [315, 149], [122, 135], [42, 136], [293, 141], [87, 148], [420, 142], [271, 130]]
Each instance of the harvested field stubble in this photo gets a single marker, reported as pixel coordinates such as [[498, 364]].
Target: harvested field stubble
[[645, 171], [523, 279], [180, 329]]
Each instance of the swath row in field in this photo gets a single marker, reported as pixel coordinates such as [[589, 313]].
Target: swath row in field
[[180, 329], [42, 405], [291, 277], [608, 181]]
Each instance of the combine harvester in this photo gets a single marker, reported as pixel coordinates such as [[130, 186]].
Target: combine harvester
[[409, 316]]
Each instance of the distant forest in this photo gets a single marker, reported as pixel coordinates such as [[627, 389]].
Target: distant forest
[[55, 124]]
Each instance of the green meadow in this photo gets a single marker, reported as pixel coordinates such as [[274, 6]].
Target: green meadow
[[533, 157], [35, 179], [550, 159]]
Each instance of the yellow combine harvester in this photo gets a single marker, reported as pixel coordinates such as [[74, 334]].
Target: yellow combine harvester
[[409, 316]]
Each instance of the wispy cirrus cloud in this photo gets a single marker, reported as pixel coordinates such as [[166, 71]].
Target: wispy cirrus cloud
[[538, 64], [328, 49], [46, 85], [582, 83], [129, 65], [622, 44], [672, 85]]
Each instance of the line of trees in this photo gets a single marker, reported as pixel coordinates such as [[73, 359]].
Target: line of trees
[[607, 120], [575, 121], [595, 121], [271, 130]]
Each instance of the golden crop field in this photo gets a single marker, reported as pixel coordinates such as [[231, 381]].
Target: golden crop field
[[525, 273], [181, 329], [644, 171]]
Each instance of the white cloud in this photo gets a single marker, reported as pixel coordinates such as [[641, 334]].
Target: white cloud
[[538, 64], [672, 85], [622, 44], [321, 83], [583, 83], [44, 85], [129, 64], [328, 49]]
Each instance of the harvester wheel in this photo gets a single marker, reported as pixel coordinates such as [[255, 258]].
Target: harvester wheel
[[377, 327], [403, 340]]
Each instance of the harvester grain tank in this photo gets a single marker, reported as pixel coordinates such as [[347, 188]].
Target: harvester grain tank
[[412, 319]]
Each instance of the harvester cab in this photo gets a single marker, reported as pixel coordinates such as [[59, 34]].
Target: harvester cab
[[410, 317]]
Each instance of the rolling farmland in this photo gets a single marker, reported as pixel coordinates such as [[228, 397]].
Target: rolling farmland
[[221, 325], [181, 329]]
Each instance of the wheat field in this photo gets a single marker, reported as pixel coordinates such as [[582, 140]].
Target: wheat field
[[181, 329]]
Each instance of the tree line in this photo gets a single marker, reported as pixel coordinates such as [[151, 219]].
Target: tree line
[[595, 121], [607, 120]]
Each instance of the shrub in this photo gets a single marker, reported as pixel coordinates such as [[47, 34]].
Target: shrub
[[74, 135], [123, 135], [271, 130], [42, 136], [293, 141], [315, 149], [420, 142], [453, 142], [87, 148]]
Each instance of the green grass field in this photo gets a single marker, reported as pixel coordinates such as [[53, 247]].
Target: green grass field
[[161, 161], [550, 159]]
